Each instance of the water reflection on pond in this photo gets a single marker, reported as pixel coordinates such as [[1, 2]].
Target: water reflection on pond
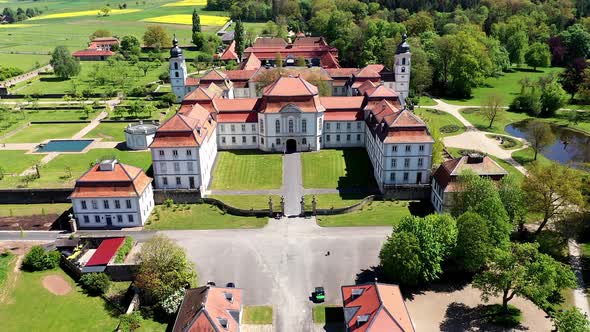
[[569, 145]]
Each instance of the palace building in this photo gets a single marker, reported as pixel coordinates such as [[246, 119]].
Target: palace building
[[280, 110]]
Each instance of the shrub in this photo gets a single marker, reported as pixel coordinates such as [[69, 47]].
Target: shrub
[[168, 98], [172, 302], [449, 129], [95, 283], [124, 250], [169, 203], [37, 259], [130, 322]]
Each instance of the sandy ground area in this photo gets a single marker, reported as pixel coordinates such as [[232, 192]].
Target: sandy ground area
[[56, 284]]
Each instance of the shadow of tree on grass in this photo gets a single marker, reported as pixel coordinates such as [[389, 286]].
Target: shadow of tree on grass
[[460, 317]]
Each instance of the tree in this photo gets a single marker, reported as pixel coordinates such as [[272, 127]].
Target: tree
[[144, 67], [553, 190], [419, 23], [573, 76], [100, 33], [104, 11], [156, 36], [279, 60], [199, 40], [196, 22], [571, 320], [521, 270], [493, 109], [422, 73], [239, 39], [516, 46], [96, 283], [513, 200], [130, 47], [63, 63], [473, 242], [418, 246], [553, 97], [300, 61], [539, 135], [37, 259], [87, 110], [438, 146], [538, 55], [163, 269]]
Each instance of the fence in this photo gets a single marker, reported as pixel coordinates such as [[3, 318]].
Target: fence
[[35, 196], [347, 209]]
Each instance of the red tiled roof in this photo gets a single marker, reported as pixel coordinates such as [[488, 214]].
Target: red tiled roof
[[252, 63], [190, 128], [381, 92], [381, 304], [309, 41], [105, 251], [261, 42], [192, 81], [122, 181], [290, 86], [93, 52], [202, 308], [239, 75], [342, 72], [328, 60], [342, 103], [240, 104], [368, 72], [230, 52], [199, 94], [214, 75], [343, 116], [447, 173], [408, 136], [237, 117]]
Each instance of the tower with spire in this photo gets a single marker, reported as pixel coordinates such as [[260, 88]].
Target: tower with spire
[[402, 65], [178, 72]]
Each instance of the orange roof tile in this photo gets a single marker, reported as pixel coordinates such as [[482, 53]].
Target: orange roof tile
[[240, 104], [341, 103], [447, 173], [252, 63], [192, 81], [328, 60], [199, 94], [214, 75], [237, 117], [342, 72], [368, 72], [343, 116], [202, 309], [122, 181], [230, 52], [381, 92], [269, 42], [290, 86], [240, 75]]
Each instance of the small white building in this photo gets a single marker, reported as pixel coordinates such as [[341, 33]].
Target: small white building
[[139, 136], [112, 194]]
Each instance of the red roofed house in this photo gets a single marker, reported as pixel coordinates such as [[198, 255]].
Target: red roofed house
[[99, 49], [111, 194], [315, 51], [209, 309], [375, 307], [445, 179]]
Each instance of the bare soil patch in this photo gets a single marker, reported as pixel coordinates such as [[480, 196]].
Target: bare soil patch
[[56, 284], [32, 223]]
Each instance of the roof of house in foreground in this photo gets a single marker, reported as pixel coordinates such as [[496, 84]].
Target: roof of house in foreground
[[375, 307], [449, 170], [208, 308], [118, 180]]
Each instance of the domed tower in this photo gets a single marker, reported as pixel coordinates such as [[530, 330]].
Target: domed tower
[[402, 65], [177, 71]]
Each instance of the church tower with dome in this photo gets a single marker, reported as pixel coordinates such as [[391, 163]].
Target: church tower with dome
[[178, 74], [401, 66]]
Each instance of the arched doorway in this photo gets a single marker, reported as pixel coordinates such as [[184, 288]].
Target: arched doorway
[[291, 145]]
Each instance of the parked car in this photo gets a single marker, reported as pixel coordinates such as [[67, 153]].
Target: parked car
[[318, 295]]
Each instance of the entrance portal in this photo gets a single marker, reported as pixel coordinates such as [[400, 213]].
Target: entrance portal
[[291, 145]]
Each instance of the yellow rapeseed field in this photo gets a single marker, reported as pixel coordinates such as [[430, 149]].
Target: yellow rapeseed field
[[188, 19], [83, 13], [18, 25], [183, 3]]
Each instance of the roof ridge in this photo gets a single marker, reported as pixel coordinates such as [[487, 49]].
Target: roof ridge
[[131, 178]]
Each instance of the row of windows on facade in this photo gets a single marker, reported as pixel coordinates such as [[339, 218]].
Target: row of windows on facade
[[291, 126], [406, 176], [105, 204], [407, 162], [176, 165], [178, 181], [175, 153], [118, 217], [348, 138], [408, 148]]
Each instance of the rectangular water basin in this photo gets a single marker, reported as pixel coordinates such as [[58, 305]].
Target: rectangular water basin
[[73, 145]]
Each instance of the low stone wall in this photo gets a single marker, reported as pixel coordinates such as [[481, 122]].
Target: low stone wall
[[237, 211], [179, 196], [407, 193], [35, 196], [348, 209]]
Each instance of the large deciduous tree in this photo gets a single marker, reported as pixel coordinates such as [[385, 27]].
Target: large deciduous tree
[[163, 269], [539, 135], [196, 22], [513, 200], [414, 253], [473, 242], [571, 320], [157, 37], [553, 190], [522, 271], [538, 55], [63, 63], [493, 109], [130, 47]]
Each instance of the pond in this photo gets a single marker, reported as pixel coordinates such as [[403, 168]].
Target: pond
[[570, 146]]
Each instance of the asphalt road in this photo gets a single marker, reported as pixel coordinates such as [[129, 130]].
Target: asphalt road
[[280, 264]]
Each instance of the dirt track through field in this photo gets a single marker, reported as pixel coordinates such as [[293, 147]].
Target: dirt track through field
[[10, 281]]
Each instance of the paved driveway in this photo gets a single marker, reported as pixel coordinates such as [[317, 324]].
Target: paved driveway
[[280, 264]]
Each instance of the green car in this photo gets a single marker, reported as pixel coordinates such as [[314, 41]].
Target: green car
[[318, 295]]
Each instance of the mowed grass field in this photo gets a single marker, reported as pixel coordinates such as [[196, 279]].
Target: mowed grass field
[[24, 62], [378, 213], [32, 209], [341, 168], [13, 162], [246, 202], [109, 131], [447, 124], [31, 307], [188, 20], [36, 133], [199, 216], [247, 170], [12, 120]]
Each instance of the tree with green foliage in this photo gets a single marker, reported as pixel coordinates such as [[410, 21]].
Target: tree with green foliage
[[196, 22], [438, 146], [480, 195], [422, 72], [300, 61], [130, 47], [157, 37], [517, 47], [538, 55], [104, 11], [96, 283], [63, 63], [573, 76], [513, 199], [100, 33], [571, 320], [473, 242], [37, 259], [239, 38], [199, 40], [130, 322], [554, 190], [417, 248], [163, 269], [419, 23], [493, 109], [522, 270], [552, 98], [539, 135]]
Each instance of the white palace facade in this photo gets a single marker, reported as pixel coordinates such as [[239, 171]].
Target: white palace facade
[[280, 110]]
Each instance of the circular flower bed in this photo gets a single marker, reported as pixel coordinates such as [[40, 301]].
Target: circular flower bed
[[448, 129]]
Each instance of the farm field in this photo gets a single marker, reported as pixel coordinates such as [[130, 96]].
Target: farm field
[[32, 209], [24, 62]]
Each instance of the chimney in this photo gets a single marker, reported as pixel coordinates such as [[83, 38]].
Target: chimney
[[474, 158], [107, 165]]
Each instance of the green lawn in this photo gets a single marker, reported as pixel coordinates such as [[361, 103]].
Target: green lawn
[[526, 156], [24, 62], [199, 216], [507, 86], [247, 170], [477, 119], [327, 313], [426, 101], [257, 315], [109, 131], [37, 133], [6, 259], [249, 201], [328, 201], [32, 209], [509, 142], [55, 173], [16, 161], [445, 122], [33, 308], [385, 213], [345, 168]]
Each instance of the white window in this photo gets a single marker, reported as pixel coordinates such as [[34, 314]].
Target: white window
[[327, 125], [320, 123], [337, 138], [222, 128], [176, 167], [304, 141], [163, 167], [175, 153], [117, 204], [233, 128], [253, 139], [83, 203], [253, 127], [337, 125], [348, 125], [243, 139], [420, 162], [86, 219], [348, 138], [128, 203], [358, 137], [189, 166], [358, 125], [290, 126], [161, 153], [304, 125], [119, 218], [189, 153], [406, 163], [94, 204], [392, 177], [223, 139], [130, 218], [178, 182], [394, 148], [165, 181], [243, 128], [97, 219], [393, 163], [261, 125], [327, 138], [278, 141], [261, 140], [277, 126], [105, 203], [406, 176], [233, 139], [408, 148]]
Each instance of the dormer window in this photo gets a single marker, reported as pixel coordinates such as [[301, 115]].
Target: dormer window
[[362, 319], [356, 292], [229, 297], [223, 322]]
